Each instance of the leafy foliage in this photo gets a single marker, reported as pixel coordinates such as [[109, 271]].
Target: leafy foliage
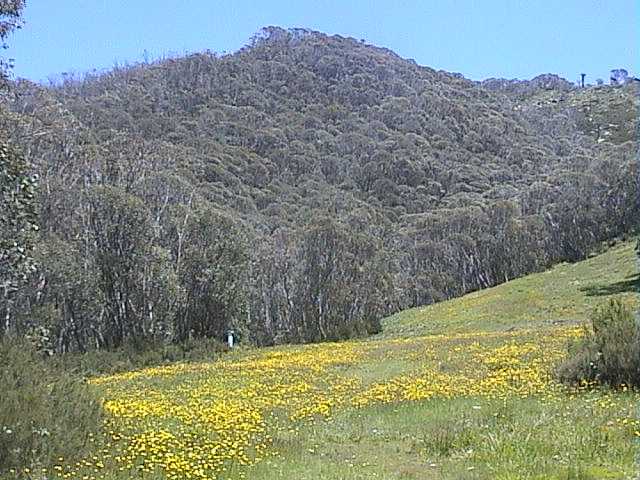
[[300, 189], [10, 20], [17, 227], [610, 351], [212, 274]]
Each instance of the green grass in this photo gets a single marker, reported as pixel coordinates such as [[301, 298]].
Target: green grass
[[571, 437], [566, 294], [460, 439], [457, 390]]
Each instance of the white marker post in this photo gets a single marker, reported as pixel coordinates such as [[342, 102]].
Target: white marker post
[[230, 334]]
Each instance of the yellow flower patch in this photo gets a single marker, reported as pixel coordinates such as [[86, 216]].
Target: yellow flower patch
[[212, 420]]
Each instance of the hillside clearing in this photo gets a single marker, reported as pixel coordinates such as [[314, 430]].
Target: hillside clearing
[[475, 402], [565, 294]]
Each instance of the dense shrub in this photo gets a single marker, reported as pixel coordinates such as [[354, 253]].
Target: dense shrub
[[609, 353], [45, 412]]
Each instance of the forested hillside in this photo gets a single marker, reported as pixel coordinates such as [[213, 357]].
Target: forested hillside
[[300, 189]]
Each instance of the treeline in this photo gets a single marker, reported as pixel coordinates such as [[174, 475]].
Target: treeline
[[152, 263], [296, 191], [138, 272]]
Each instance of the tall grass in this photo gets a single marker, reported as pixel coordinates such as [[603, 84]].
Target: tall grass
[[46, 413]]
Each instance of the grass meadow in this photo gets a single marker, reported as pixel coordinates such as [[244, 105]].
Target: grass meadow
[[459, 390]]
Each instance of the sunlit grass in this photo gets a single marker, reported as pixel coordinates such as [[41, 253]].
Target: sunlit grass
[[567, 293], [479, 401]]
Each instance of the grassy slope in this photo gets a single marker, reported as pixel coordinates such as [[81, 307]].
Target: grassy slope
[[565, 294], [471, 398], [571, 436]]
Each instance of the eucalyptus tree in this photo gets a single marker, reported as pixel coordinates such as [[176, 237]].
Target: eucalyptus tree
[[10, 20], [18, 227]]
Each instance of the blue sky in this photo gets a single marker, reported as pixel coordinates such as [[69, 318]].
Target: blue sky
[[480, 39]]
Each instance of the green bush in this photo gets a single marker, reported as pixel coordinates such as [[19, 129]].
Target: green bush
[[45, 412], [609, 353]]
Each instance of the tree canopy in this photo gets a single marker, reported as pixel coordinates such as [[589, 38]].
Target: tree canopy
[[302, 188]]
